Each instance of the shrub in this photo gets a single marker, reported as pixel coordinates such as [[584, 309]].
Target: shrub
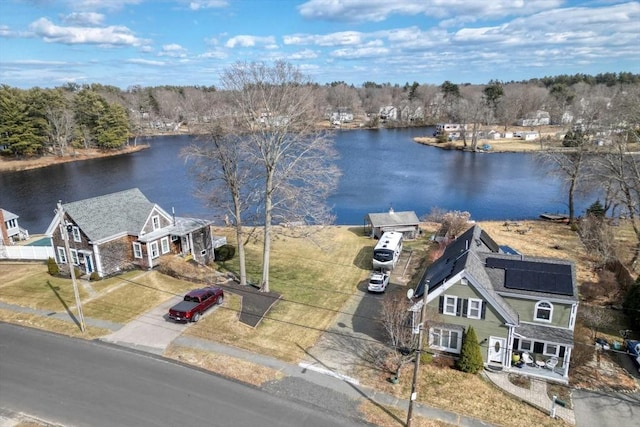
[[94, 276], [224, 253], [77, 272], [471, 356], [52, 267], [632, 304]]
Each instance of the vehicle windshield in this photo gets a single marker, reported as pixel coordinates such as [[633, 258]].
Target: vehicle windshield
[[383, 255]]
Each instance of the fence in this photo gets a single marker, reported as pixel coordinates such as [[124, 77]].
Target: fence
[[26, 252]]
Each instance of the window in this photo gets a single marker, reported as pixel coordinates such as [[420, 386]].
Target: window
[[175, 238], [550, 350], [155, 222], [12, 223], [153, 248], [137, 250], [75, 231], [525, 345], [164, 245], [445, 339], [544, 311], [450, 305], [74, 257], [62, 255], [474, 308]]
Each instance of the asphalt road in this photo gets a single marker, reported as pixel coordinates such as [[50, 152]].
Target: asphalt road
[[74, 382], [600, 409]]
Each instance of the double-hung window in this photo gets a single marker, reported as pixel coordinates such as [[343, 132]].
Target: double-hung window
[[137, 250], [153, 248], [474, 308], [450, 305], [75, 231], [155, 222], [164, 245]]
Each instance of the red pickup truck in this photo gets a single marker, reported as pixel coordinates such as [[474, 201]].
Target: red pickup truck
[[195, 303]]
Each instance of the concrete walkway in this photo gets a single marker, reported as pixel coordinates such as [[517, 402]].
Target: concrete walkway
[[536, 395]]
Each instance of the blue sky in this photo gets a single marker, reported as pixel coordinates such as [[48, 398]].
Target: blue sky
[[48, 43]]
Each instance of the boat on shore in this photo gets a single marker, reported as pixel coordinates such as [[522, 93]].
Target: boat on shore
[[554, 217]]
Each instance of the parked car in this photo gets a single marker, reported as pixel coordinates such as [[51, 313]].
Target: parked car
[[378, 281], [602, 343], [633, 347], [195, 303]]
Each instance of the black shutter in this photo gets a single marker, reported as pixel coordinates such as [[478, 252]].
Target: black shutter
[[538, 347], [483, 311], [562, 348], [465, 306], [458, 306], [516, 343], [441, 305]]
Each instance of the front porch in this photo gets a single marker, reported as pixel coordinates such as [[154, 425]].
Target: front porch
[[556, 374]]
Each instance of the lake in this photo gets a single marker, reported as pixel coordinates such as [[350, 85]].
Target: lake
[[380, 169]]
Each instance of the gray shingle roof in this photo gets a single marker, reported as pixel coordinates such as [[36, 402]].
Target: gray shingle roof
[[387, 219], [113, 214]]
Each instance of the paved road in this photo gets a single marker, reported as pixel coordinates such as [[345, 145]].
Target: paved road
[[600, 409], [75, 382]]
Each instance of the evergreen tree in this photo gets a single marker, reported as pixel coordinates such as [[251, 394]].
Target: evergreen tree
[[18, 133], [112, 128], [596, 209], [471, 356]]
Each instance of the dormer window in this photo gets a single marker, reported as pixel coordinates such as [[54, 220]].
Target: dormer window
[[155, 222], [543, 311]]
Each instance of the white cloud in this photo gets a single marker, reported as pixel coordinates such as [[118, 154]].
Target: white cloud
[[100, 4], [379, 10], [303, 54], [207, 4], [268, 42], [173, 50], [140, 61], [111, 35], [343, 38], [364, 52], [83, 19]]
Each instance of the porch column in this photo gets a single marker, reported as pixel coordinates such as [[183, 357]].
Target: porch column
[[565, 364], [98, 260]]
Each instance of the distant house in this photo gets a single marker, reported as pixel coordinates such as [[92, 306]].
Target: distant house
[[405, 222], [341, 115], [538, 118], [530, 136], [10, 230], [388, 113], [123, 230], [521, 307]]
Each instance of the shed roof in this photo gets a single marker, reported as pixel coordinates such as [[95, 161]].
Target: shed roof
[[393, 218], [8, 215]]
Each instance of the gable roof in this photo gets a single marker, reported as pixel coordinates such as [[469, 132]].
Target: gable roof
[[8, 215], [113, 214], [393, 218]]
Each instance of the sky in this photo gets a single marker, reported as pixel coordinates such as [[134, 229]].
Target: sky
[[49, 43]]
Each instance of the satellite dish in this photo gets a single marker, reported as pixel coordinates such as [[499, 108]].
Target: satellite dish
[[410, 293]]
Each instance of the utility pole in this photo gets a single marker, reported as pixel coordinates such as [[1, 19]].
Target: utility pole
[[66, 229], [416, 366]]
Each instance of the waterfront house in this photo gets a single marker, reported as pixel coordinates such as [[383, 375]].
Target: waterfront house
[[10, 229], [125, 230], [522, 308]]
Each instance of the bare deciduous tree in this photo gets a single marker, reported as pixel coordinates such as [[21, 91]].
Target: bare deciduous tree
[[397, 321], [274, 107]]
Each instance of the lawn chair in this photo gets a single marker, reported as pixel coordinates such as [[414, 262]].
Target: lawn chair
[[551, 363], [527, 359]]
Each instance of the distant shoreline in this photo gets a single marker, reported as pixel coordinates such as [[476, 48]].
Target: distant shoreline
[[18, 165]]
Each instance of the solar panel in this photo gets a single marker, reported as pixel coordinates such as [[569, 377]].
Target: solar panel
[[534, 276]]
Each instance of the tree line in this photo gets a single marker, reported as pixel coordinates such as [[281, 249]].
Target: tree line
[[41, 121]]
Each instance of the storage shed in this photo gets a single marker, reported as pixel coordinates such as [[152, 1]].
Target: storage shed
[[405, 222]]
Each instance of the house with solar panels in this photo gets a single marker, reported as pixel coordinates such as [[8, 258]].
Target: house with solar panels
[[523, 309]]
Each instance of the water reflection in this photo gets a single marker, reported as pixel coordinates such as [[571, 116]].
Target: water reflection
[[380, 169]]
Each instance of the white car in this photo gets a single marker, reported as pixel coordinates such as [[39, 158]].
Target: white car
[[378, 281]]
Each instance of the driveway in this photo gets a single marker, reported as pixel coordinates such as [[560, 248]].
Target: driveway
[[152, 331], [606, 409]]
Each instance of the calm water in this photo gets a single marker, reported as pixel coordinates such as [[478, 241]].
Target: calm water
[[380, 168]]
